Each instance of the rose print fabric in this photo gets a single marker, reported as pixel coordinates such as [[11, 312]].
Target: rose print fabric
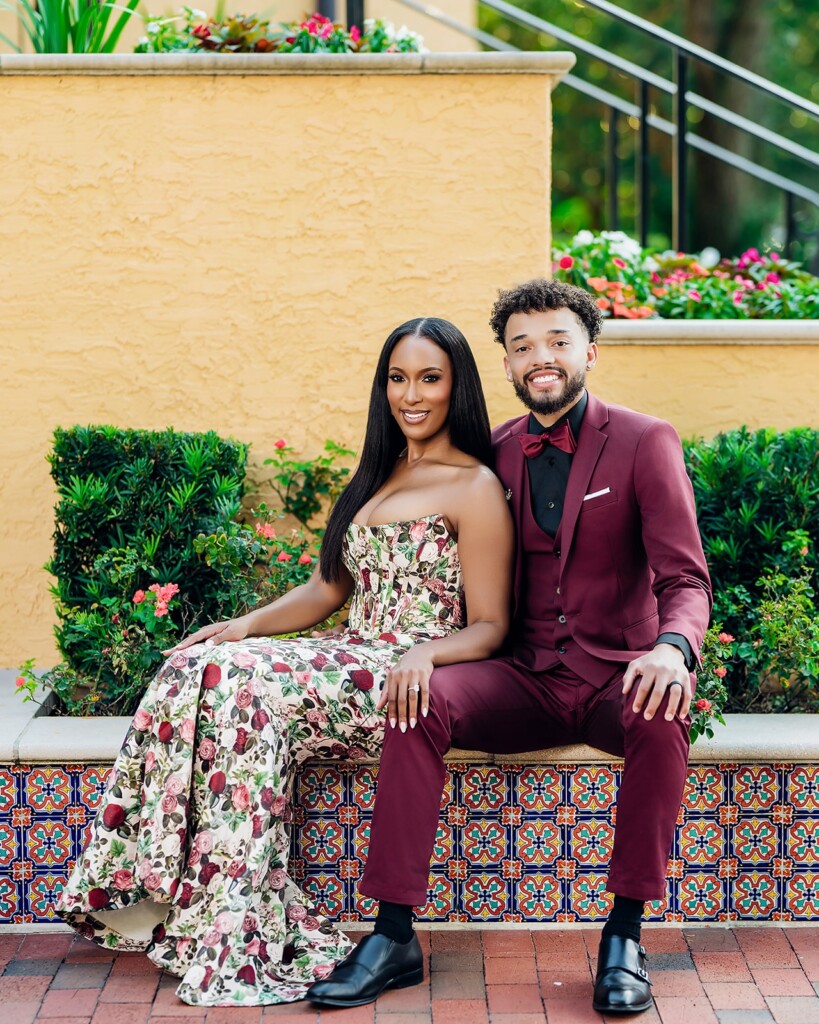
[[187, 857]]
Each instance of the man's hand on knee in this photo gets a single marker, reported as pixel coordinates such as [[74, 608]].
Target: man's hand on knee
[[656, 673]]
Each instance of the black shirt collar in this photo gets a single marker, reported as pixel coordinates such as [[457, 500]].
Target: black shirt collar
[[574, 416]]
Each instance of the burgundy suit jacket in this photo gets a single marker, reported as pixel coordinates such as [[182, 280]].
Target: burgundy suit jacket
[[632, 564]]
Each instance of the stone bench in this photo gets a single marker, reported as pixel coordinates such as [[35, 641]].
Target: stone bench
[[521, 838]]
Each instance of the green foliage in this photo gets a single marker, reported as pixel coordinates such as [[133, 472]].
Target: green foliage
[[757, 495], [69, 26], [305, 487], [131, 505], [711, 696], [139, 511], [632, 283], [239, 33]]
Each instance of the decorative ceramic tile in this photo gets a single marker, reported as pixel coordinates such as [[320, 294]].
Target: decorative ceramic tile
[[514, 843]]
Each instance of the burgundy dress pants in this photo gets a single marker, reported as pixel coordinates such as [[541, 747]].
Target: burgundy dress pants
[[504, 708]]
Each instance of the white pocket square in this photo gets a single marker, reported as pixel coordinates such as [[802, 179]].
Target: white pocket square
[[596, 494]]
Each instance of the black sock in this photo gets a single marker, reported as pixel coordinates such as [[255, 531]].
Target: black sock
[[394, 920], [625, 918]]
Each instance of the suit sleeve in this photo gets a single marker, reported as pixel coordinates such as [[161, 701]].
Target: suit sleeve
[[671, 537]]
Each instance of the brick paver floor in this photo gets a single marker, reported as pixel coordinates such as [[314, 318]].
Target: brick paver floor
[[494, 976]]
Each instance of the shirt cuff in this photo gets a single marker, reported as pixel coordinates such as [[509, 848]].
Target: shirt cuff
[[679, 641]]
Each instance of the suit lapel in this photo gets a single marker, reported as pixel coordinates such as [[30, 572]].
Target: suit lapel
[[589, 446]]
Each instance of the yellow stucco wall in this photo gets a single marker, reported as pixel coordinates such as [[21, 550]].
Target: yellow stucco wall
[[230, 252]]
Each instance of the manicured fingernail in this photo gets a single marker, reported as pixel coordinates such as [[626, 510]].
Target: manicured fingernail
[[425, 712], [403, 727], [648, 716], [412, 723], [668, 716], [393, 722]]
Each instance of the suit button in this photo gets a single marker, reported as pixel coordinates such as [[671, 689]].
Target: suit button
[[561, 650], [557, 553], [558, 590], [551, 504], [561, 618]]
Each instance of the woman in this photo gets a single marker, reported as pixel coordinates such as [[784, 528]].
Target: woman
[[188, 855]]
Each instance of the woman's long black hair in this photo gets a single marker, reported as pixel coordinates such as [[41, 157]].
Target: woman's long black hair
[[468, 425]]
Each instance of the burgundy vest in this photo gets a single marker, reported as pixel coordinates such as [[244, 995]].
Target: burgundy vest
[[534, 637]]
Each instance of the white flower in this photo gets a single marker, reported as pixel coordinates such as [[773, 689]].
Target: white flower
[[171, 845], [650, 264], [621, 245], [709, 257], [583, 238], [195, 976]]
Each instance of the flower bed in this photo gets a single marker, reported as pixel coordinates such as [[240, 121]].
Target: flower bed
[[633, 283]]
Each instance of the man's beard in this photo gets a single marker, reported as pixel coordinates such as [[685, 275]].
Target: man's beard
[[547, 405]]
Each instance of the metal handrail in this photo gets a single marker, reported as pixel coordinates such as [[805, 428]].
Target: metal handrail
[[706, 56], [681, 96]]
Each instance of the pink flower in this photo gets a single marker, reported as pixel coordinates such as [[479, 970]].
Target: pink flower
[[179, 660], [355, 34], [169, 803], [567, 262], [722, 672], [174, 785], [161, 609], [250, 923], [150, 761], [278, 806], [703, 705], [310, 924], [804, 550], [142, 720], [240, 797], [773, 278], [725, 638], [243, 698], [203, 842], [694, 296], [212, 937], [123, 880], [737, 298], [253, 947], [152, 881], [244, 659], [224, 923], [207, 750], [187, 730], [323, 970], [296, 912], [305, 559], [284, 557], [281, 443], [20, 682], [139, 597], [303, 678], [265, 530], [618, 262], [277, 878]]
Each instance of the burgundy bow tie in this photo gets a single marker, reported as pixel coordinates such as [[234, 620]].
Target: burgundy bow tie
[[561, 437]]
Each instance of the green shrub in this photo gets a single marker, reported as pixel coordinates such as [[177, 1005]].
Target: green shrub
[[757, 495]]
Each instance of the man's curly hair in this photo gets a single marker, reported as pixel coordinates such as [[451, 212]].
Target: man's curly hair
[[539, 296]]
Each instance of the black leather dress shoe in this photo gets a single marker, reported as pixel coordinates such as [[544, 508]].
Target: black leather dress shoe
[[621, 984], [376, 963]]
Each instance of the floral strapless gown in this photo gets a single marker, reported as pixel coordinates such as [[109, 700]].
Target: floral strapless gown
[[187, 857]]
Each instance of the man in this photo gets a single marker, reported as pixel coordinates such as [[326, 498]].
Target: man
[[612, 598]]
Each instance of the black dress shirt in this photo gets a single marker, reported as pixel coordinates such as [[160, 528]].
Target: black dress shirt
[[548, 479]]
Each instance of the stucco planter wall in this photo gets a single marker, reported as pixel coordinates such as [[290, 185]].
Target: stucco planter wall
[[523, 838]]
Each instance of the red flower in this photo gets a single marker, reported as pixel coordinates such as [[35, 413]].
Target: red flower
[[241, 741], [217, 782], [185, 895], [260, 719], [246, 974], [566, 262], [355, 33], [266, 797], [97, 899], [722, 671], [703, 705], [281, 443], [305, 559], [139, 597], [320, 661], [20, 682], [362, 679], [113, 816], [279, 666], [165, 732], [618, 262], [284, 557], [211, 676], [257, 826], [725, 638], [343, 658], [207, 872]]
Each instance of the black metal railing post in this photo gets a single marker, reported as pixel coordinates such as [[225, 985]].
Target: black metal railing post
[[612, 170], [643, 181], [790, 223], [355, 13], [679, 230]]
